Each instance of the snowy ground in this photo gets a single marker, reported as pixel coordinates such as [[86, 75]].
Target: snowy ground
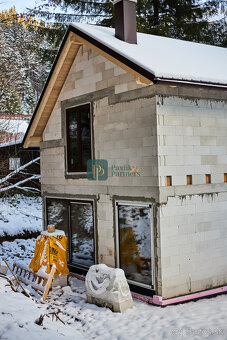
[[204, 319], [19, 214], [66, 315]]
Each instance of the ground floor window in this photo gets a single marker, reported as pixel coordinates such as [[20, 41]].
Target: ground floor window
[[82, 233], [135, 242], [76, 219]]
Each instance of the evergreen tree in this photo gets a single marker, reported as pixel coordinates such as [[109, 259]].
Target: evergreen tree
[[25, 60], [183, 19], [10, 102]]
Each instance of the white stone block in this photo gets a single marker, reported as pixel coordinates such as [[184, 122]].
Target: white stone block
[[108, 287], [3, 268], [179, 180], [191, 140], [59, 280]]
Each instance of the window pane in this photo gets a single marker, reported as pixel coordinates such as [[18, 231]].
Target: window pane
[[82, 233], [135, 243], [78, 138], [57, 214], [73, 141], [85, 136]]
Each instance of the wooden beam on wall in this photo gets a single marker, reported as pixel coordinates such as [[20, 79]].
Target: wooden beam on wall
[[57, 80], [53, 89]]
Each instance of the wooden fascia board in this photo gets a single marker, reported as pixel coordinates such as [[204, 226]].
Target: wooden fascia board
[[75, 38], [51, 90]]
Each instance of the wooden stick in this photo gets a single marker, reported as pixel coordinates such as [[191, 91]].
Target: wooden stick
[[53, 269], [16, 278]]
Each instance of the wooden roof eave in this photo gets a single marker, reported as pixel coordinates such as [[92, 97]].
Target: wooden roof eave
[[51, 90], [68, 51]]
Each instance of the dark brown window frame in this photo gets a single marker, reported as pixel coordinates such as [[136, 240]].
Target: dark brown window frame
[[80, 169], [139, 204], [68, 202]]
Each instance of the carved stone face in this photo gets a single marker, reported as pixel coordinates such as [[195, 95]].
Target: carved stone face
[[97, 280]]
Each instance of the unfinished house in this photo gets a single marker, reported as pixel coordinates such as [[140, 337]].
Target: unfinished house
[[132, 130]]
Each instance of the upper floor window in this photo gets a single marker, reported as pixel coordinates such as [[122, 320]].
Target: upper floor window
[[78, 128]]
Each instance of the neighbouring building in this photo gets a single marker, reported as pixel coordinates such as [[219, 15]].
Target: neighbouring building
[[12, 156], [150, 113]]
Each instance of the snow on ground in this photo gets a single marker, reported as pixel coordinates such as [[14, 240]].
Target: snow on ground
[[19, 250], [19, 315], [19, 214], [66, 315]]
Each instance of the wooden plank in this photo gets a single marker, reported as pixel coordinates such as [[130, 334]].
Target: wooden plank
[[53, 269], [59, 75], [36, 139], [189, 179], [60, 69], [168, 181], [24, 291], [208, 178]]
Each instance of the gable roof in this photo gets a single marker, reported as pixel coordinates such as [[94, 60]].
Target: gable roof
[[166, 57], [153, 59]]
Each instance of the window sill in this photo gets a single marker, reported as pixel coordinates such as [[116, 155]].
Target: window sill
[[75, 175]]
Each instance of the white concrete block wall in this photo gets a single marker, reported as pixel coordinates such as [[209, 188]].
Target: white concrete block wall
[[124, 133], [193, 234], [105, 230], [53, 128], [192, 139]]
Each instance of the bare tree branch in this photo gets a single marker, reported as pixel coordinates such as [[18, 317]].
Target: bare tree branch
[[18, 170], [16, 185]]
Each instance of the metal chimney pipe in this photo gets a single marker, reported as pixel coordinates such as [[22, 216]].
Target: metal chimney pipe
[[125, 20]]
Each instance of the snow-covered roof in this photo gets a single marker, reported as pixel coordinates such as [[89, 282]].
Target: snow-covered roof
[[13, 142], [153, 60], [165, 57], [13, 128]]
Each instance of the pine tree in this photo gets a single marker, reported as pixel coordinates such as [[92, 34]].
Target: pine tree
[[183, 19], [25, 60], [10, 102]]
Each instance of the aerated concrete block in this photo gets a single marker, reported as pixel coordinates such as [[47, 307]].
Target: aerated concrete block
[[59, 280], [3, 268]]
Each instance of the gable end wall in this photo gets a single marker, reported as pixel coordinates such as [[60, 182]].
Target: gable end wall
[[124, 132]]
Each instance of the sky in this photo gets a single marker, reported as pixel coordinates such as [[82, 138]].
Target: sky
[[20, 5]]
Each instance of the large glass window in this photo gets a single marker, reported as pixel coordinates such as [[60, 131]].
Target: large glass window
[[135, 246], [75, 218], [78, 137], [57, 214], [82, 229]]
